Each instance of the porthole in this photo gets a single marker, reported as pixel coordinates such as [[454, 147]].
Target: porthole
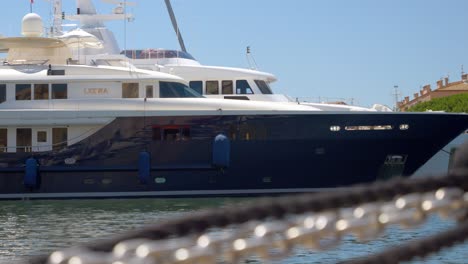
[[266, 179], [88, 181], [70, 161], [160, 180], [319, 151], [404, 127], [106, 181], [335, 128]]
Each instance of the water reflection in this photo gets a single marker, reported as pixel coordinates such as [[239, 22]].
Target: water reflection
[[33, 227], [29, 228]]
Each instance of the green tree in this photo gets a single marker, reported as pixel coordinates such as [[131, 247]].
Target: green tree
[[455, 103]]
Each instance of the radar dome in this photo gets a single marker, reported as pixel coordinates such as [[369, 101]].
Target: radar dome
[[32, 25]]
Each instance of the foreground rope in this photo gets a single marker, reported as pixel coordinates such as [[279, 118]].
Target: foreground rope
[[418, 248], [455, 184]]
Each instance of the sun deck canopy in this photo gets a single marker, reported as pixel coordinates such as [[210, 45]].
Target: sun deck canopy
[[35, 50]]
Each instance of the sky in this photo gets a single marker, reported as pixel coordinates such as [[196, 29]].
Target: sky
[[318, 49]]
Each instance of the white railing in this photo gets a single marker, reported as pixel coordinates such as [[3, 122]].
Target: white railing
[[48, 147]]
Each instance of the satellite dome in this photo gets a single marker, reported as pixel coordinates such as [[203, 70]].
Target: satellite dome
[[32, 25]]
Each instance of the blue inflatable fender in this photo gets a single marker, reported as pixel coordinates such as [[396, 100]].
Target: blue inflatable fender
[[31, 176], [221, 151], [144, 167]]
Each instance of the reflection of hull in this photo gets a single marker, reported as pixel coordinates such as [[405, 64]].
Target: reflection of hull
[[268, 154], [440, 162]]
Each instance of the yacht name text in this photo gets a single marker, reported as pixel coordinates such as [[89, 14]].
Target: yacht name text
[[96, 91]]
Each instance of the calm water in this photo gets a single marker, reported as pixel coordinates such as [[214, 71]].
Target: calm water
[[28, 228]]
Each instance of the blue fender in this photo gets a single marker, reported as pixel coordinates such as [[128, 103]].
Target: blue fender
[[31, 175], [144, 167], [221, 151]]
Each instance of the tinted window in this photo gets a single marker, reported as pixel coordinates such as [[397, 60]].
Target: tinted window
[[173, 133], [41, 91], [23, 139], [263, 86], [3, 139], [156, 133], [59, 91], [129, 90], [59, 138], [212, 87], [149, 91], [156, 54], [2, 93], [197, 86], [41, 136], [243, 87], [23, 92], [176, 90], [227, 87]]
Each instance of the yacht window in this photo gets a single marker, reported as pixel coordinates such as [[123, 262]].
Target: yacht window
[[185, 133], [176, 90], [59, 138], [212, 87], [129, 90], [243, 87], [3, 139], [41, 136], [197, 86], [171, 133], [59, 91], [41, 91], [263, 86], [149, 91], [2, 93], [176, 134], [23, 92], [156, 54], [137, 54], [56, 72], [227, 87], [23, 139], [156, 133]]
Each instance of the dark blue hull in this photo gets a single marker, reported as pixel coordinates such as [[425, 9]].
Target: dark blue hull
[[268, 154]]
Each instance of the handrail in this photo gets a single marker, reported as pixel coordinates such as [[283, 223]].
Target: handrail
[[50, 146], [25, 62]]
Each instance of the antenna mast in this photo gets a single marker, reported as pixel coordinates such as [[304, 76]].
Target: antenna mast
[[250, 59], [174, 25], [396, 93], [58, 17]]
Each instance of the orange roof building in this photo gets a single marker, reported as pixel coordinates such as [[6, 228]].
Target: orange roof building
[[444, 88]]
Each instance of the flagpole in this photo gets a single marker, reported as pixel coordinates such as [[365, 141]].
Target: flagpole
[[30, 5]]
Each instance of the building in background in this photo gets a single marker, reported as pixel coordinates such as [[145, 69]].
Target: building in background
[[444, 88]]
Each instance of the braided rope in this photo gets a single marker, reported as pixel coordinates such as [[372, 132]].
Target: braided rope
[[278, 208], [417, 248]]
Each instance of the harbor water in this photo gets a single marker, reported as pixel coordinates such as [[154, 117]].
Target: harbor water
[[30, 228]]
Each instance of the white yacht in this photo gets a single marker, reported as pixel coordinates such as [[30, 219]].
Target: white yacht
[[69, 130], [211, 81]]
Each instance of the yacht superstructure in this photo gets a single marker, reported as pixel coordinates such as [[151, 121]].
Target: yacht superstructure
[[211, 81]]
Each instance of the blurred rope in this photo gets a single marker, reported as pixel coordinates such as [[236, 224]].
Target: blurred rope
[[273, 209]]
